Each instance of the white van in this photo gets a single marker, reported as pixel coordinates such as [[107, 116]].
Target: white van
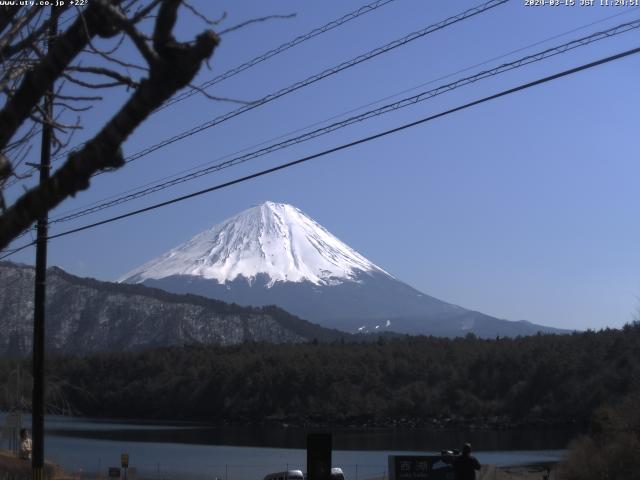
[[337, 474], [288, 475]]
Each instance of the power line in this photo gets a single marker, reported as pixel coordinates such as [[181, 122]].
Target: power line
[[267, 55], [282, 48], [319, 76], [345, 146], [314, 78], [255, 61], [405, 102], [353, 110], [8, 253]]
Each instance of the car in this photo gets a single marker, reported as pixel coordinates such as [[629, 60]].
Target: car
[[286, 475], [337, 473]]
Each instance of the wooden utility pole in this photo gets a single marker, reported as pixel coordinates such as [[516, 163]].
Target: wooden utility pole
[[38, 403]]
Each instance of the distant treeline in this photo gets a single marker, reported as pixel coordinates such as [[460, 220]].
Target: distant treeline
[[548, 379]]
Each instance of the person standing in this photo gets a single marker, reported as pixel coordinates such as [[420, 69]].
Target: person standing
[[25, 445], [465, 465]]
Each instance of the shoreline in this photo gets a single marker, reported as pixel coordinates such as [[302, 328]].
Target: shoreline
[[451, 422], [19, 469], [521, 472]]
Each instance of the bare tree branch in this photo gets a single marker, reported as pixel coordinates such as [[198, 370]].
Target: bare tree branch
[[16, 28], [32, 132], [78, 98], [107, 53], [66, 143], [73, 108], [136, 37], [122, 63], [14, 73], [96, 86], [254, 20], [164, 25], [145, 11], [21, 156], [10, 50], [176, 66], [5, 168], [37, 81], [6, 16], [122, 79], [108, 29], [220, 99], [206, 20]]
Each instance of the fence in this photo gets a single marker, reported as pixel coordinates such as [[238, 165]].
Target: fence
[[203, 471]]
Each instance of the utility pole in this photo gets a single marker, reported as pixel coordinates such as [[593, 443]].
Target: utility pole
[[37, 414]]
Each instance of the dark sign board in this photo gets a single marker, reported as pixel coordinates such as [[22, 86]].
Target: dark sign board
[[114, 472], [319, 456], [420, 467]]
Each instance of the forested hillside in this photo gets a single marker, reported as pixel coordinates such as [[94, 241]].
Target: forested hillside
[[86, 316], [411, 380]]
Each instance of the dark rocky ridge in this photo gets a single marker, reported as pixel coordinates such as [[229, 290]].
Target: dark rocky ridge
[[86, 316]]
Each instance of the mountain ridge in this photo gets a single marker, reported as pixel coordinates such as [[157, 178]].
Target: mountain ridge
[[85, 315], [275, 254]]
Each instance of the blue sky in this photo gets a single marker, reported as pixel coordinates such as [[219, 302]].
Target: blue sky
[[522, 208]]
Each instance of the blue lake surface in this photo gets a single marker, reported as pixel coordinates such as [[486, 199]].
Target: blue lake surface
[[87, 447]]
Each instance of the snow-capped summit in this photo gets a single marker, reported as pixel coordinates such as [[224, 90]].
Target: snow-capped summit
[[274, 239], [273, 254]]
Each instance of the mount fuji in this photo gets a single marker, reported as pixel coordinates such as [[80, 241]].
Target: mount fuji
[[274, 254]]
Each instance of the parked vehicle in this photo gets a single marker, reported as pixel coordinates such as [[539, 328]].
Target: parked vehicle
[[337, 474], [288, 475]]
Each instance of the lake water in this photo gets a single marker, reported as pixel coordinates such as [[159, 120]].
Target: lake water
[[87, 447]]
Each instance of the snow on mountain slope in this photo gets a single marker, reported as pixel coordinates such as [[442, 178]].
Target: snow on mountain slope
[[273, 254], [273, 239]]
